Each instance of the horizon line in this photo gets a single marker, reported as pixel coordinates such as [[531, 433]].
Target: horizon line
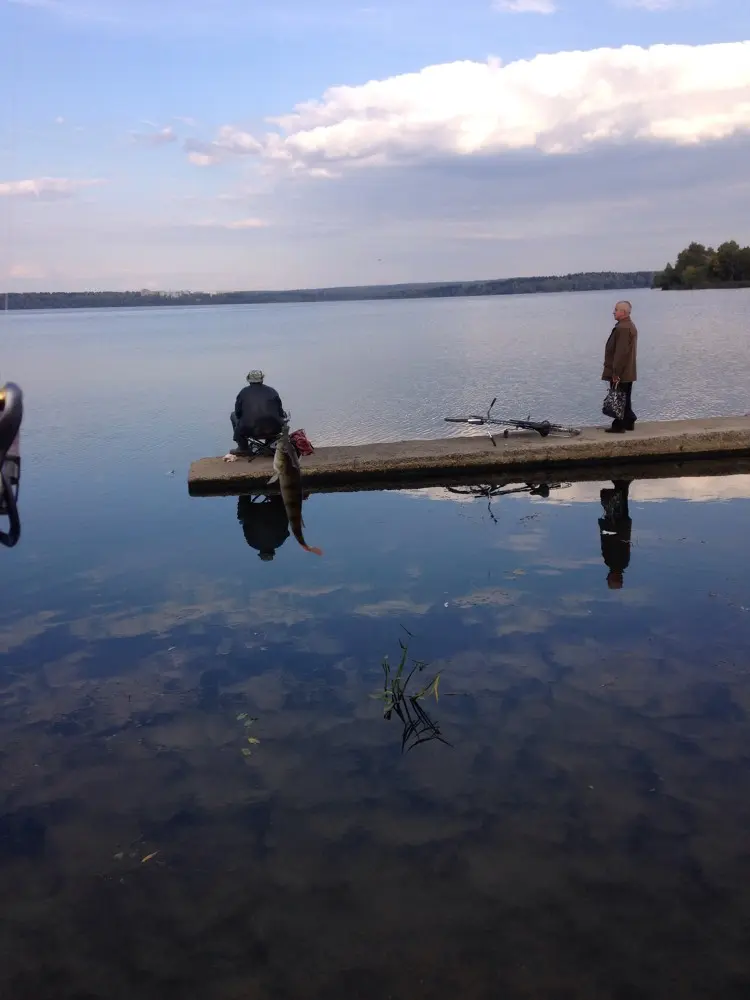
[[334, 288]]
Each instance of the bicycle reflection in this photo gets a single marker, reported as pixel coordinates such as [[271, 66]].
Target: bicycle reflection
[[489, 493]]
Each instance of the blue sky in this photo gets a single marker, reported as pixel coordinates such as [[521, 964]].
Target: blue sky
[[140, 144]]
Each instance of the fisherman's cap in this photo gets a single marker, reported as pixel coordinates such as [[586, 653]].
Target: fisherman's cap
[[255, 376]]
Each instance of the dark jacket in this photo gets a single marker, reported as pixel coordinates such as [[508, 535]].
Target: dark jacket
[[620, 353], [258, 409], [615, 528]]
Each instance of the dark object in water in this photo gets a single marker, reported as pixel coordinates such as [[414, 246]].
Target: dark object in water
[[11, 414], [264, 523]]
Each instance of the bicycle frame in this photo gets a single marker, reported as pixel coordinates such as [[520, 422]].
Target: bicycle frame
[[542, 427]]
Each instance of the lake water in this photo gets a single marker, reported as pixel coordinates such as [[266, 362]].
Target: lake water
[[569, 817]]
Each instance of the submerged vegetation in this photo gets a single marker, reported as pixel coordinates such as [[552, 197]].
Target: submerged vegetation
[[418, 726], [247, 723], [582, 282], [697, 266]]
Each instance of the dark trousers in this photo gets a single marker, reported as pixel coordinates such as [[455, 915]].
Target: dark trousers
[[628, 421], [241, 435]]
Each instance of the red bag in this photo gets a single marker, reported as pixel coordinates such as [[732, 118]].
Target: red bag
[[301, 445]]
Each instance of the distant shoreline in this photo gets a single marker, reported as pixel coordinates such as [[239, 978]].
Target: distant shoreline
[[589, 281], [707, 286]]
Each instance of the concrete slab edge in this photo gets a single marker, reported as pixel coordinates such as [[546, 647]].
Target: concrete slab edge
[[452, 459]]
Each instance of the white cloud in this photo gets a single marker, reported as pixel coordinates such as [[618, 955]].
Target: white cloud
[[44, 188], [555, 104], [526, 6], [655, 5], [247, 224], [694, 489], [250, 223], [461, 175], [159, 137], [25, 271], [202, 159], [229, 141]]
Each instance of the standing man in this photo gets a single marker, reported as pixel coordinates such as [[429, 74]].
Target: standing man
[[620, 363]]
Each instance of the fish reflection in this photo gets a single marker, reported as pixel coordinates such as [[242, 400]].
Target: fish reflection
[[615, 529], [11, 413]]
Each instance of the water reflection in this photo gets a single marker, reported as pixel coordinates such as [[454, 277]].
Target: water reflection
[[584, 836], [698, 480], [10, 482], [403, 698], [490, 492], [615, 529], [11, 414], [264, 523]]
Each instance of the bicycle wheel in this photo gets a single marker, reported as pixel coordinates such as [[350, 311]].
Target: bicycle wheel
[[570, 431]]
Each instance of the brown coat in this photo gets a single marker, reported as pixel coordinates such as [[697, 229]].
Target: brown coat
[[620, 352]]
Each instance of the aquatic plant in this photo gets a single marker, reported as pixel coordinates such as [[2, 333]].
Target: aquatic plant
[[418, 726], [247, 723]]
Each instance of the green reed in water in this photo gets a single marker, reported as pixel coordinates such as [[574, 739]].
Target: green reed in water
[[418, 726]]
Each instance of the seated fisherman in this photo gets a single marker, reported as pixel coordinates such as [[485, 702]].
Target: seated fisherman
[[257, 413]]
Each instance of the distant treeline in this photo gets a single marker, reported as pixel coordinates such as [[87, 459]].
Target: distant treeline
[[703, 267], [589, 281]]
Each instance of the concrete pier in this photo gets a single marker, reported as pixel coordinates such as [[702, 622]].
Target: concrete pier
[[521, 456]]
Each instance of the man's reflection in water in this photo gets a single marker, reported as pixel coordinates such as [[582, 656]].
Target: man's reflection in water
[[614, 530], [264, 523]]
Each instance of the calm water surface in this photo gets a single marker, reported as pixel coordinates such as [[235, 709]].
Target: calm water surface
[[579, 829]]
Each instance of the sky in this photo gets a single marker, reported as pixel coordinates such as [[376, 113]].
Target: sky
[[248, 144]]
